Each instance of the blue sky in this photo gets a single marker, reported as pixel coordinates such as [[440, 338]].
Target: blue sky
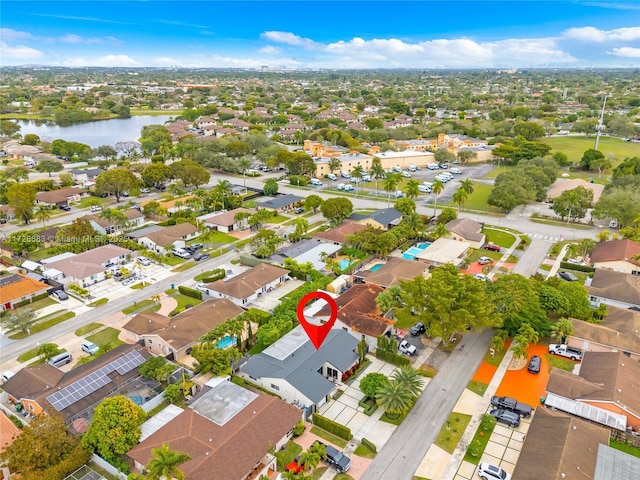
[[327, 34]]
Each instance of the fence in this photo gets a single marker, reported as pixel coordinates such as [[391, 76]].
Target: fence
[[153, 403], [107, 467]]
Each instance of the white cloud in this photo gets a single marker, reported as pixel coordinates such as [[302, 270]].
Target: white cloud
[[269, 50], [628, 52], [117, 61], [593, 34], [19, 52], [9, 35], [217, 61], [289, 38], [77, 39]]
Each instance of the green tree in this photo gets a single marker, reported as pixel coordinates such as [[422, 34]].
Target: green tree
[[460, 197], [215, 360], [155, 139], [395, 398], [49, 166], [573, 203], [173, 393], [165, 464], [334, 165], [590, 156], [21, 197], [377, 172], [446, 215], [270, 187], [47, 350], [116, 181], [309, 460], [190, 173], [8, 128], [357, 173], [390, 185], [436, 188], [443, 155], [336, 210], [115, 427], [389, 299], [411, 189], [619, 203], [75, 231], [17, 173], [467, 185], [466, 155], [499, 340], [22, 321], [156, 175], [561, 329], [406, 206], [529, 130], [510, 190], [410, 378], [22, 244], [157, 368], [313, 202]]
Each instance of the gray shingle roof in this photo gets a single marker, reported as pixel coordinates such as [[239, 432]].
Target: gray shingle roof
[[386, 216], [281, 201], [300, 367]]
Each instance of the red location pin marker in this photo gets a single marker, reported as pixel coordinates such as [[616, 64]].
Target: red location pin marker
[[317, 333]]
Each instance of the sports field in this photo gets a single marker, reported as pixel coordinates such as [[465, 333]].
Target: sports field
[[575, 147]]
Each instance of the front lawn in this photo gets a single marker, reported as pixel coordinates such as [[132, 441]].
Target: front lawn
[[477, 387], [286, 456], [452, 431], [138, 306], [107, 336], [91, 200], [476, 201], [404, 320], [562, 363], [213, 237], [37, 305], [623, 447], [100, 301], [172, 260], [88, 328], [183, 301], [317, 473], [364, 452], [498, 237], [49, 321], [329, 437], [476, 253], [278, 219], [497, 357], [479, 442], [184, 266], [30, 354]]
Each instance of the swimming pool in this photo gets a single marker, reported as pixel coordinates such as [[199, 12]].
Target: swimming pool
[[137, 399], [344, 263], [226, 342], [377, 266], [410, 254]]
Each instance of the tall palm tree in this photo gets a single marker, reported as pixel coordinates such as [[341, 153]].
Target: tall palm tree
[[410, 378], [395, 398], [43, 214], [309, 460], [436, 188], [391, 184], [562, 329], [459, 197], [439, 231], [334, 164], [390, 298], [244, 164], [358, 173], [467, 186], [414, 224], [411, 189], [320, 449], [222, 189], [377, 171], [165, 463]]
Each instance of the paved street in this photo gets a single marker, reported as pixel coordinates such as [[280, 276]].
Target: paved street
[[404, 451]]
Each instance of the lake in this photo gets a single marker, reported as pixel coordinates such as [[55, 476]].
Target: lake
[[94, 134]]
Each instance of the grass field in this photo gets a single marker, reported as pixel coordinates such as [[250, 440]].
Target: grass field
[[286, 456], [477, 387], [503, 239], [139, 305], [49, 321], [108, 335], [476, 201], [88, 328], [29, 354], [560, 362], [575, 147], [329, 437], [452, 431]]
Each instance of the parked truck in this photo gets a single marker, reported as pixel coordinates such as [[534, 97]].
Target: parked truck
[[511, 404], [565, 351]]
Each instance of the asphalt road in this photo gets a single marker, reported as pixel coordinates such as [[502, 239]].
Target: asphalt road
[[404, 451], [534, 255]]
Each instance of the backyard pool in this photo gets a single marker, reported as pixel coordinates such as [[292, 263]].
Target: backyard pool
[[410, 254], [377, 266], [344, 263], [226, 342], [137, 399]]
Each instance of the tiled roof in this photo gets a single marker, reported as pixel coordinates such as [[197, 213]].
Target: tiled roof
[[281, 201], [564, 184], [615, 250], [168, 235], [8, 431], [466, 228], [620, 330], [88, 263], [338, 234], [245, 284], [226, 218], [393, 271], [615, 286], [16, 286]]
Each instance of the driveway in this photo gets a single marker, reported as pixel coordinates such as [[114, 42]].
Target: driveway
[[270, 300]]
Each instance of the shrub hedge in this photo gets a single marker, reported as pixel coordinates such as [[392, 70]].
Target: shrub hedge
[[332, 427], [369, 445], [190, 292], [216, 274], [392, 357], [579, 268]]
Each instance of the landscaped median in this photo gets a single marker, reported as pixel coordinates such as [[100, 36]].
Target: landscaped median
[[45, 322]]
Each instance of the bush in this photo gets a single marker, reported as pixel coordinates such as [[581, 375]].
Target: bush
[[369, 445], [214, 275], [298, 180], [392, 357], [190, 292], [578, 268], [299, 429], [332, 427]]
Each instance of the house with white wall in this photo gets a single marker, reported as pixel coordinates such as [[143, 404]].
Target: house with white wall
[[244, 288]]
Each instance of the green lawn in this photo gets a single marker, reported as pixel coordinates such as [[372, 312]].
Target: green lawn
[[139, 286], [536, 218], [49, 321], [82, 331], [476, 201], [138, 305], [317, 473], [404, 320], [478, 443], [452, 431], [343, 476], [575, 147], [364, 452], [29, 354], [100, 301], [496, 360], [503, 239], [277, 219], [184, 266], [329, 437], [623, 447], [38, 304], [91, 200], [477, 387], [214, 237], [172, 261], [108, 335], [476, 253], [554, 361], [183, 301], [286, 456]]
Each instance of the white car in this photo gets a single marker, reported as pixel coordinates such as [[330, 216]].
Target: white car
[[144, 261], [456, 170], [90, 347], [482, 277], [7, 375], [202, 287], [406, 174], [486, 471], [95, 208], [406, 348]]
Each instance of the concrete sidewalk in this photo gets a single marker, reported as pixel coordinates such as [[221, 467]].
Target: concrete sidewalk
[[559, 259], [505, 255]]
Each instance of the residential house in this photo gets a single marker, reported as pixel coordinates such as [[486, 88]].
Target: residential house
[[57, 198], [88, 267], [565, 445], [619, 331], [617, 255], [607, 382], [244, 288], [337, 235], [564, 184], [175, 336], [135, 217], [358, 314], [17, 290], [282, 203], [8, 433], [171, 206], [227, 431], [311, 250], [7, 212], [466, 230], [392, 272], [175, 236], [297, 372], [385, 218], [226, 221], [74, 394], [614, 288], [102, 226], [445, 250], [135, 235], [81, 177]]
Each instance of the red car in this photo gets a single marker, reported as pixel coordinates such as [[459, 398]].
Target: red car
[[493, 247], [294, 466]]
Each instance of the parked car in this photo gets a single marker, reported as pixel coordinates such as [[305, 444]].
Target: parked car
[[485, 260], [505, 416], [144, 190], [568, 276], [90, 347], [492, 247], [195, 247], [201, 256], [418, 329], [511, 404], [456, 170], [95, 208], [534, 364], [202, 287], [482, 277], [66, 208], [406, 174], [7, 375], [144, 261], [486, 471], [336, 458], [406, 348], [60, 295], [298, 210], [294, 466]]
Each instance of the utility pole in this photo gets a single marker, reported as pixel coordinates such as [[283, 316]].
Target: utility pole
[[600, 126]]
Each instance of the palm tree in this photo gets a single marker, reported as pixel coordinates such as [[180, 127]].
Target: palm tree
[[467, 186], [43, 214], [411, 189], [410, 378], [334, 164], [244, 164], [309, 460], [391, 184], [395, 398], [377, 171], [358, 173], [440, 231], [414, 224], [562, 329], [603, 235], [390, 298], [498, 340], [165, 463], [459, 197], [519, 349], [436, 188], [222, 188]]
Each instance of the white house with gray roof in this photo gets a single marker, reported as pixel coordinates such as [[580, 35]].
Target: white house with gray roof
[[300, 374]]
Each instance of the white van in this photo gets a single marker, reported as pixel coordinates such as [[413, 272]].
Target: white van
[[433, 166], [315, 182], [332, 176], [181, 252], [427, 184], [348, 187], [424, 189], [412, 168], [366, 178], [345, 175], [341, 186], [60, 359], [397, 168]]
